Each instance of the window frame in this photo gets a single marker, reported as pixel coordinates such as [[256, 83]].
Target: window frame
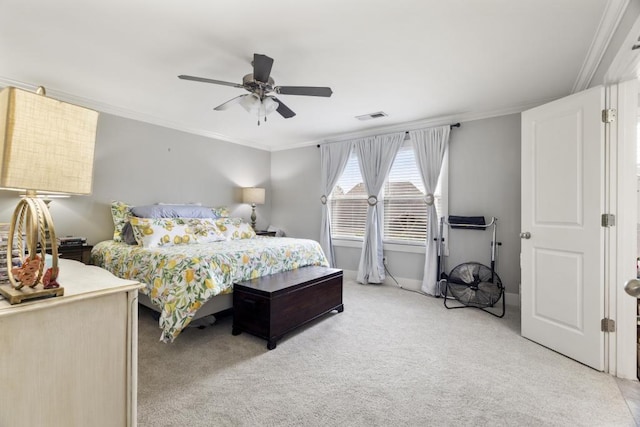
[[441, 195]]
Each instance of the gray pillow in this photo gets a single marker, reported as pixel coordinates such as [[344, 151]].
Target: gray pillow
[[173, 211], [127, 234]]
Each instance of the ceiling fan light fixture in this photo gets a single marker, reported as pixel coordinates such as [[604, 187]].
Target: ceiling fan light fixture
[[270, 105], [251, 103]]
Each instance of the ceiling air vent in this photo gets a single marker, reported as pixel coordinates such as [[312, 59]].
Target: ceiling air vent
[[370, 116]]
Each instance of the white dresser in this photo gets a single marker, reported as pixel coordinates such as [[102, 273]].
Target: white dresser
[[71, 360]]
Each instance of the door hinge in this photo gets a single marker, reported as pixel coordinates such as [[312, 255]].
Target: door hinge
[[608, 220], [607, 325], [609, 115]]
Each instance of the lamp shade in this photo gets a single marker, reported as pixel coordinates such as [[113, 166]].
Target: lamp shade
[[269, 105], [251, 103], [45, 145], [253, 195]]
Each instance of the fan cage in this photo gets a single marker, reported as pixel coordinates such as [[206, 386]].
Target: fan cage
[[474, 285]]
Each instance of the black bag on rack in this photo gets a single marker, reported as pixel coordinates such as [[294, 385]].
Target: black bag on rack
[[467, 221]]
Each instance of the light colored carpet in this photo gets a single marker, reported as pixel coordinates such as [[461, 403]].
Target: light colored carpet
[[392, 358]]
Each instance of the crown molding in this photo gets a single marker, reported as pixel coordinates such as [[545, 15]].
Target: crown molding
[[422, 124], [626, 63], [401, 127], [613, 12], [129, 114]]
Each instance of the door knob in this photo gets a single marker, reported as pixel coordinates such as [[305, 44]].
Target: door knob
[[525, 235], [633, 287]]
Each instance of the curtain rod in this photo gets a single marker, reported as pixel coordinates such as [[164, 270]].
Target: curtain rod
[[455, 125]]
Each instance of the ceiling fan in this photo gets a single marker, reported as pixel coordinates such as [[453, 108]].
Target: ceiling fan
[[260, 86]]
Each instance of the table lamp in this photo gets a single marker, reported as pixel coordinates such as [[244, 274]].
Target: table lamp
[[45, 146], [253, 196]]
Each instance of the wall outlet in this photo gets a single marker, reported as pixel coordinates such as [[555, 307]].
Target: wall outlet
[[384, 260]]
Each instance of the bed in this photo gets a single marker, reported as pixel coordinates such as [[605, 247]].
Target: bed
[[185, 272]]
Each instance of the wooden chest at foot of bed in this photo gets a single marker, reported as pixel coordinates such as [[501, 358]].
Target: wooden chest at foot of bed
[[270, 306]]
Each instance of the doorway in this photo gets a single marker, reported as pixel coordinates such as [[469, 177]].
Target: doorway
[[638, 239], [609, 320]]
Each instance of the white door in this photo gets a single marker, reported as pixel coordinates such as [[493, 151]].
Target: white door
[[562, 238]]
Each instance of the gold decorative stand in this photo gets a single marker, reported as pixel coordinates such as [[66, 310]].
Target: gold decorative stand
[[15, 296], [32, 222]]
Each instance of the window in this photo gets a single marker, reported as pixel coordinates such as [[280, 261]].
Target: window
[[405, 210], [348, 202], [403, 201]]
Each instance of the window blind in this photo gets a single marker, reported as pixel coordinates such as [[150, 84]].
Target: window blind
[[403, 197], [348, 202], [405, 210]]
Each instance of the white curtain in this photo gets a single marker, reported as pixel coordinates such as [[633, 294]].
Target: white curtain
[[333, 160], [376, 155], [430, 146]]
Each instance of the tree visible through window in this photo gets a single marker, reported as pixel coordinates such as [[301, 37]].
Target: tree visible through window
[[403, 201]]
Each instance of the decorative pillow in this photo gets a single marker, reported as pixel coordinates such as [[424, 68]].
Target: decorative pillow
[[190, 203], [121, 212], [235, 228], [127, 234], [157, 232], [173, 211], [221, 212]]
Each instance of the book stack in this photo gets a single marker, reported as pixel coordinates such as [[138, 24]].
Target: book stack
[[16, 258], [71, 241]]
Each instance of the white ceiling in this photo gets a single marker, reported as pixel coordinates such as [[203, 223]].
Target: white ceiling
[[420, 61]]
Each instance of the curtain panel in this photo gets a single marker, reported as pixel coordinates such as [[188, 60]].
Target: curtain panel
[[430, 146], [375, 155], [333, 160]]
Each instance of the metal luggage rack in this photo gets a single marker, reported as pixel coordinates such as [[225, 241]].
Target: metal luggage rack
[[472, 284]]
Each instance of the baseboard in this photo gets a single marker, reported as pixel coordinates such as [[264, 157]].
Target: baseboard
[[511, 299]]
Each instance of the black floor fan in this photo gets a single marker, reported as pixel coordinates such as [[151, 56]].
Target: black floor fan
[[471, 284]]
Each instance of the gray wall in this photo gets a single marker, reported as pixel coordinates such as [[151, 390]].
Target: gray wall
[[484, 179], [295, 180], [141, 163]]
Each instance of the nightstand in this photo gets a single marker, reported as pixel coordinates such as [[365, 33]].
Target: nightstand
[[78, 253], [77, 353], [266, 233]]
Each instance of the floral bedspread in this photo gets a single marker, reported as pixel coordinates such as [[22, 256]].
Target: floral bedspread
[[179, 279]]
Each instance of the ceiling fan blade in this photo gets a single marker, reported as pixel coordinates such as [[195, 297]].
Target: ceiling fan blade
[[229, 103], [262, 67], [202, 79], [304, 90], [284, 111]]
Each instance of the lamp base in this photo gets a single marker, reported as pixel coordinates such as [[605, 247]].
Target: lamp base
[[253, 216], [32, 224], [16, 296]]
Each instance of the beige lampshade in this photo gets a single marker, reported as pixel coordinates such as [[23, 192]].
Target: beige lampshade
[[253, 195], [45, 145]]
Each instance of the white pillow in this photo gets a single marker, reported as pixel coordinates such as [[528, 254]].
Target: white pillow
[[235, 228], [162, 232]]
